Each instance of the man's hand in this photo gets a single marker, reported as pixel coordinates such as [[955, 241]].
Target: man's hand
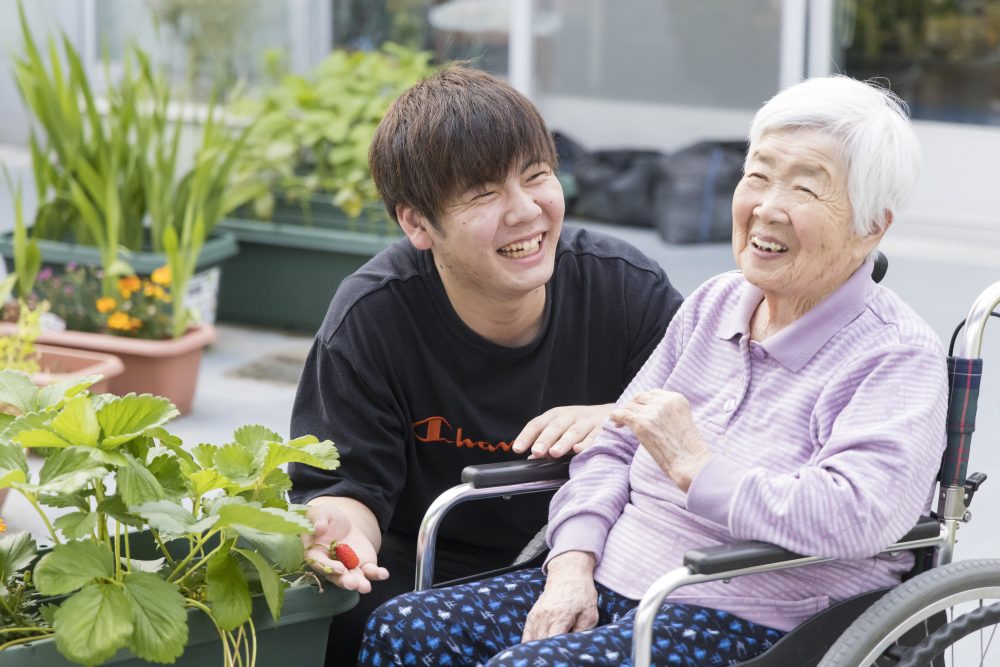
[[335, 522], [559, 430], [664, 426], [569, 601]]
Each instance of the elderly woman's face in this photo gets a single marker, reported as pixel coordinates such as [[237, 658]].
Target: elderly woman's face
[[792, 232]]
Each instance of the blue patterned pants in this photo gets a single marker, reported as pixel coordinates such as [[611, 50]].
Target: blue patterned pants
[[481, 623]]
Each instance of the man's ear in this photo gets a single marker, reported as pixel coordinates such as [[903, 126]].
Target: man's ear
[[415, 227]]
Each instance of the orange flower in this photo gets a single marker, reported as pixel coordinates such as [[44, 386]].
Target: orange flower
[[162, 276], [3, 526], [128, 285], [106, 304], [119, 321], [135, 323]]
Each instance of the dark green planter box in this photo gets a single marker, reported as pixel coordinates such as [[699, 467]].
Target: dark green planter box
[[298, 638], [286, 274], [218, 247]]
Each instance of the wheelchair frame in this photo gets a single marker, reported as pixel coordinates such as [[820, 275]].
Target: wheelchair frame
[[748, 557]]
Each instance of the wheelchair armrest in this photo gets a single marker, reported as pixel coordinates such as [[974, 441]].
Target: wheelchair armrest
[[739, 555], [515, 472]]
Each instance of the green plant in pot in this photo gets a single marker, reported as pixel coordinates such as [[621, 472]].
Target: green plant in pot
[[149, 533], [312, 133], [109, 173]]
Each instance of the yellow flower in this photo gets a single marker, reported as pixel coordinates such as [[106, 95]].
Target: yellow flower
[[119, 321], [135, 323], [106, 304], [3, 526], [161, 276], [128, 285]]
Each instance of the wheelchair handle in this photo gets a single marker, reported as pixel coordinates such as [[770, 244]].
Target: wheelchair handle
[[970, 345]]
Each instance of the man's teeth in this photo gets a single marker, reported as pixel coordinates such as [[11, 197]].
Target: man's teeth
[[522, 248], [767, 245]]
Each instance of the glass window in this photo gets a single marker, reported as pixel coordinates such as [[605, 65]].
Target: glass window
[[941, 56], [690, 52]]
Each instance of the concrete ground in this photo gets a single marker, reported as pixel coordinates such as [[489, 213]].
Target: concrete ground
[[937, 275]]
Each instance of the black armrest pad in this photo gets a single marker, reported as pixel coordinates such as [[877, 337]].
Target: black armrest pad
[[738, 555], [515, 472]]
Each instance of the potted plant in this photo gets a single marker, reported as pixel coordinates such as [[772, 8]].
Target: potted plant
[[315, 215], [164, 554], [109, 177]]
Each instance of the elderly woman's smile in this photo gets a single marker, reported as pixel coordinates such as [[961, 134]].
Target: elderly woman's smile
[[792, 222]]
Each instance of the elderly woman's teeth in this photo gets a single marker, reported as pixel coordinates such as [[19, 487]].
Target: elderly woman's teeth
[[767, 245], [522, 248]]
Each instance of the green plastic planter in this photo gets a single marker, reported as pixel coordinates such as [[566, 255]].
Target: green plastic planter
[[298, 638], [286, 273]]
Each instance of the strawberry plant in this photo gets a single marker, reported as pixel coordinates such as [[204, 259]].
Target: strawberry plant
[[216, 514]]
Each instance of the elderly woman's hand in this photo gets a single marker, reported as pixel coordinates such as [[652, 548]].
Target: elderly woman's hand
[[569, 601], [662, 422]]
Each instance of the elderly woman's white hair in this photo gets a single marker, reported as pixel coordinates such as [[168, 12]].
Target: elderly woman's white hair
[[878, 146]]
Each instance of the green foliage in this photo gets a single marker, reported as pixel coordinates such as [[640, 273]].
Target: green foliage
[[101, 169], [313, 132], [17, 350], [111, 459]]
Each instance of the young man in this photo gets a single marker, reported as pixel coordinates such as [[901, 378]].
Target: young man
[[435, 354]]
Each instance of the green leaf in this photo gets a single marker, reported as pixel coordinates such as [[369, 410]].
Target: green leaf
[[228, 592], [235, 463], [267, 519], [253, 437], [285, 551], [276, 485], [270, 583], [73, 565], [77, 422], [17, 552], [68, 471], [28, 422], [167, 471], [166, 516], [318, 454], [76, 525], [17, 389], [204, 481], [12, 458], [158, 618], [130, 416], [39, 438], [94, 623], [204, 454], [136, 484], [52, 394], [115, 508]]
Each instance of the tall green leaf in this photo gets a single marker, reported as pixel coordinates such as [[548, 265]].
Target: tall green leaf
[[131, 416], [270, 583]]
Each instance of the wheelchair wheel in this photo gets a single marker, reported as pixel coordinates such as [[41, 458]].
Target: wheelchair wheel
[[944, 617]]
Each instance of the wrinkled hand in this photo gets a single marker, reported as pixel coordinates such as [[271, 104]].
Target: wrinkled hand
[[333, 525], [569, 601], [559, 430], [662, 422]]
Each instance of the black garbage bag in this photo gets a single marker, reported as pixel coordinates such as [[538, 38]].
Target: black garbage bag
[[616, 186], [697, 202]]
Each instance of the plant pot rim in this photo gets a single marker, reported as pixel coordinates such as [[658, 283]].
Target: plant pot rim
[[196, 337], [100, 363]]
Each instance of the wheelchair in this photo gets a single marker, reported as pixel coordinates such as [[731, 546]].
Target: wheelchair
[[919, 622]]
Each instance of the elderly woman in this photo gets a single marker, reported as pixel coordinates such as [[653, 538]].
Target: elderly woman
[[785, 403]]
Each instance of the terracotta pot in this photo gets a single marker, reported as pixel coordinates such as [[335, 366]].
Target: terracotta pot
[[62, 363], [166, 368]]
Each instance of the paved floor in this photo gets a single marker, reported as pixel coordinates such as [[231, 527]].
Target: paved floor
[[938, 276]]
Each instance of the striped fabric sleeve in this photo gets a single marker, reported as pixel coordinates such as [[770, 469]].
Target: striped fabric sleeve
[[584, 509], [882, 417]]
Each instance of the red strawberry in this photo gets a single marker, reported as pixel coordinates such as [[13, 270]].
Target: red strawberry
[[345, 554]]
